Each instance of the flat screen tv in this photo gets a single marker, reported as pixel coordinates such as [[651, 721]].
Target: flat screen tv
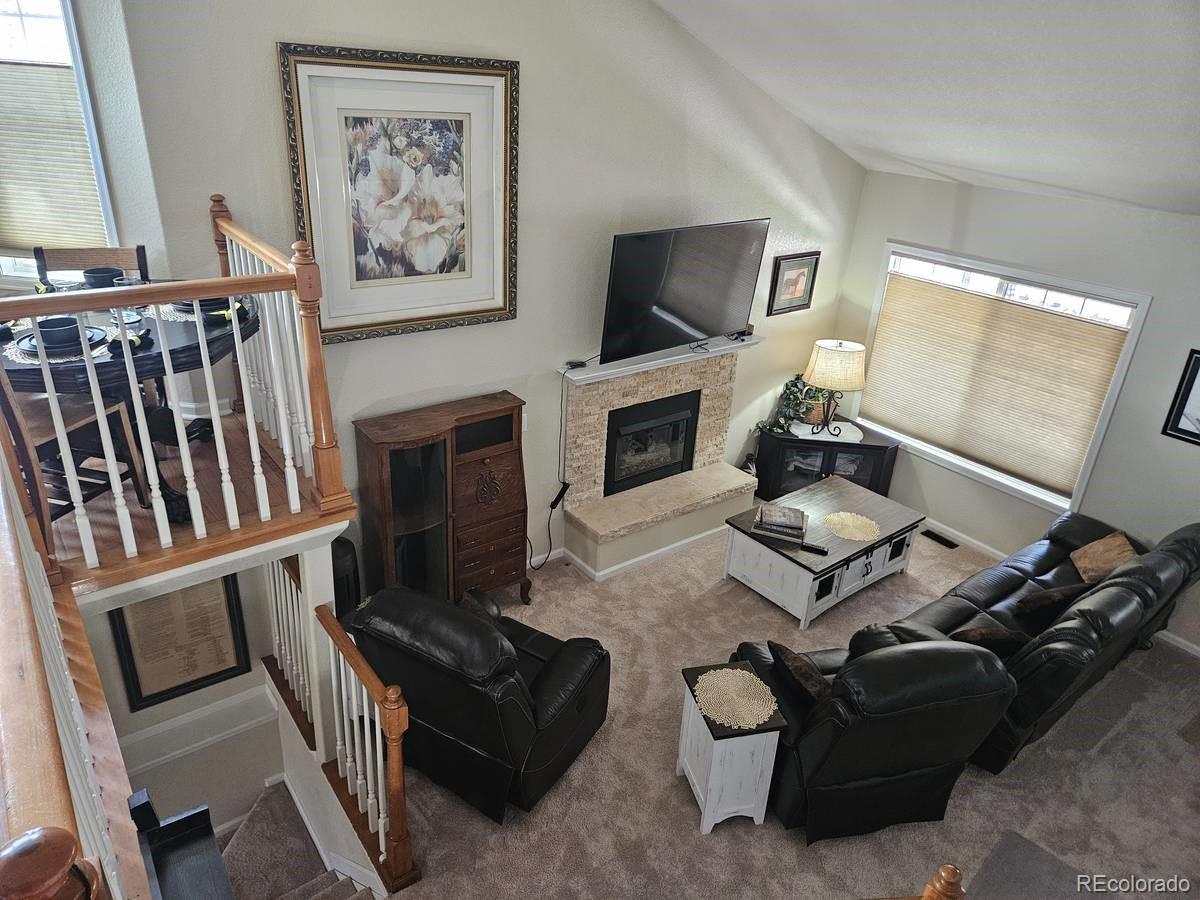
[[679, 286]]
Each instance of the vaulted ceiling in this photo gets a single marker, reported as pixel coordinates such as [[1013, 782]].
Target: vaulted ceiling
[[1090, 97]]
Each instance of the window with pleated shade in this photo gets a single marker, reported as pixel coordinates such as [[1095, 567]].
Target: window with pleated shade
[[49, 195], [1009, 375]]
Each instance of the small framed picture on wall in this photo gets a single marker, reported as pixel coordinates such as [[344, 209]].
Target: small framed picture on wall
[[792, 282], [1183, 420], [181, 642]]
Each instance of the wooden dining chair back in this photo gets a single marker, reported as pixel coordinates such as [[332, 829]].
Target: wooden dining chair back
[[29, 418], [130, 259], [25, 454]]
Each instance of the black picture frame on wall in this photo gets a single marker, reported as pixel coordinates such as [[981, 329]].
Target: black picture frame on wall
[[1183, 418], [140, 698], [792, 282]]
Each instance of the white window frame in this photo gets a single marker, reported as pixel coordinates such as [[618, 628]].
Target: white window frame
[[24, 282], [1015, 487]]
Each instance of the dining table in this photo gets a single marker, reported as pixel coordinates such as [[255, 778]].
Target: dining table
[[175, 322]]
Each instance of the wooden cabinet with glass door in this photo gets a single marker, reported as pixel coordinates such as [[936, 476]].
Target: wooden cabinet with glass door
[[442, 493]]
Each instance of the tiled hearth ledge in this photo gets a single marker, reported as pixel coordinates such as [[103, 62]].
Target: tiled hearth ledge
[[605, 534]]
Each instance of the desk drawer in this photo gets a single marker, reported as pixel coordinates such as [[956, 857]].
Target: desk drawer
[[493, 573], [470, 540], [489, 488]]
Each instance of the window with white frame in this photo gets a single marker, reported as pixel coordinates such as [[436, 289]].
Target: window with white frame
[[51, 193], [1009, 373]]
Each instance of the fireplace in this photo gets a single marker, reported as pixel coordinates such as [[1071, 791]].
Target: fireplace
[[649, 441]]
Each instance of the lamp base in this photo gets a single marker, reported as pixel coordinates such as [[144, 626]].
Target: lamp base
[[849, 432]]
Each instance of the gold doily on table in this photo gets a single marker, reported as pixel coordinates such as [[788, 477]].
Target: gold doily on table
[[734, 698], [852, 527]]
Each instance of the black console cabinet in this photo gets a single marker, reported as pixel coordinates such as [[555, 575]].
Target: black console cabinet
[[786, 463]]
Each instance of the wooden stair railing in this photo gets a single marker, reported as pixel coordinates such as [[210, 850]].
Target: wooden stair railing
[[368, 781], [946, 884], [45, 864]]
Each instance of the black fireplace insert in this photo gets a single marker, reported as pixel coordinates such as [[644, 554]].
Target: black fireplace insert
[[649, 441]]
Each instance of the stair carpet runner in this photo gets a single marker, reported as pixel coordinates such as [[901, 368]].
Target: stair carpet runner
[[272, 857]]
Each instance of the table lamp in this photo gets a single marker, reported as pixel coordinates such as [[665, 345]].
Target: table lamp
[[835, 366]]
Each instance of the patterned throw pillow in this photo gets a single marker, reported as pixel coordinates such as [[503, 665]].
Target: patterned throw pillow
[[799, 672], [1096, 561]]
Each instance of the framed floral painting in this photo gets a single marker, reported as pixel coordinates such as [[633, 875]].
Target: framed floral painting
[[404, 181]]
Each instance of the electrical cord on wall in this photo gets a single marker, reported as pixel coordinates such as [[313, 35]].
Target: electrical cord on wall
[[562, 467]]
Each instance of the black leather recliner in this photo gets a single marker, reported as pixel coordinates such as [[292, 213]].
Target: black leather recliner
[[498, 711], [889, 743]]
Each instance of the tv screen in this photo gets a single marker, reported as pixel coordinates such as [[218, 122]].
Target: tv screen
[[676, 287]]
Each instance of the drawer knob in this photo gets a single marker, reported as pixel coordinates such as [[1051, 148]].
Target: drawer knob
[[487, 460], [491, 571]]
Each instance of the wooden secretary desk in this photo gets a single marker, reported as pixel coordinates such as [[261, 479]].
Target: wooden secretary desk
[[442, 494]]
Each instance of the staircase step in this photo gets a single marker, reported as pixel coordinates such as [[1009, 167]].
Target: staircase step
[[312, 888], [271, 853], [343, 890], [364, 894]]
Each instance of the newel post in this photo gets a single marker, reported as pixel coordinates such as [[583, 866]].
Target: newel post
[[44, 864], [946, 884], [399, 844], [327, 457], [218, 210]]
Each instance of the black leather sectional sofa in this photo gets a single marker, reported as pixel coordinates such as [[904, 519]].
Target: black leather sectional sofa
[[944, 693]]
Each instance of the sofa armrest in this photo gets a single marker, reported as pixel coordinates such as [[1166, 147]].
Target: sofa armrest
[[563, 675]]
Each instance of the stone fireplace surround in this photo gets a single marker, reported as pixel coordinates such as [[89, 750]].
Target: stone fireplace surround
[[604, 534]]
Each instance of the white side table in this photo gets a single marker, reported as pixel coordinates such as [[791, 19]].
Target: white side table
[[729, 769]]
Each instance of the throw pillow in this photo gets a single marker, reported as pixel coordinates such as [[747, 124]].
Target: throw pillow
[[1000, 640], [876, 637], [799, 672], [1038, 611], [1095, 561]]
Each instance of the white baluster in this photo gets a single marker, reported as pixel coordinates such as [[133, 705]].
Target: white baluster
[[274, 604], [293, 628], [214, 413], [135, 392], [348, 717], [302, 624], [302, 363], [381, 777], [82, 522], [335, 674], [237, 261], [372, 806], [360, 785], [291, 362], [185, 451], [284, 436], [266, 369], [285, 642], [124, 522], [260, 480]]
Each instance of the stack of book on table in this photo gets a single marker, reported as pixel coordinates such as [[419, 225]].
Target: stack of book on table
[[784, 524]]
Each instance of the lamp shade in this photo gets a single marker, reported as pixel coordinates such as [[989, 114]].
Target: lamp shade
[[837, 366]]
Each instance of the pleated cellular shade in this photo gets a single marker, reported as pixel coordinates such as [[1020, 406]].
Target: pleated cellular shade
[[48, 194], [1007, 385]]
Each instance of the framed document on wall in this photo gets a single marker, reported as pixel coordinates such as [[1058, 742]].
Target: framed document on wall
[[181, 642]]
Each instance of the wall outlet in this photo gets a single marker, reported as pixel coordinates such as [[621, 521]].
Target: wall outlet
[[524, 420]]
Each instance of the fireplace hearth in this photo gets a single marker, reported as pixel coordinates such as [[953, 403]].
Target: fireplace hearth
[[651, 440]]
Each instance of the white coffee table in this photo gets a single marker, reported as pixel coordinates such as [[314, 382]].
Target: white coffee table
[[806, 584], [729, 769]]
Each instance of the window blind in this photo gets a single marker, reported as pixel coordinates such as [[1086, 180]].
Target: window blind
[[48, 193], [1013, 387]]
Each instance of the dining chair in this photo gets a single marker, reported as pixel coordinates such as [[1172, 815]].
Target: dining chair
[[73, 260], [31, 425]]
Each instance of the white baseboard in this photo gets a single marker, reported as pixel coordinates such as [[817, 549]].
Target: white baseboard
[[192, 731], [224, 828], [200, 410], [1182, 643], [958, 537], [538, 561], [605, 574]]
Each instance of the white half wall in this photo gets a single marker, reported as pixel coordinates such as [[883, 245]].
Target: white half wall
[[1143, 482]]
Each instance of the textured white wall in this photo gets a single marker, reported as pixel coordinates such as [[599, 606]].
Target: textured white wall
[[1143, 482], [626, 123]]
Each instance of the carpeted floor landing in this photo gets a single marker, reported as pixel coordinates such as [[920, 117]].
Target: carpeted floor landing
[[1114, 788]]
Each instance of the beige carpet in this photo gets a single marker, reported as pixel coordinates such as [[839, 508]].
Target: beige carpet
[[1114, 788]]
